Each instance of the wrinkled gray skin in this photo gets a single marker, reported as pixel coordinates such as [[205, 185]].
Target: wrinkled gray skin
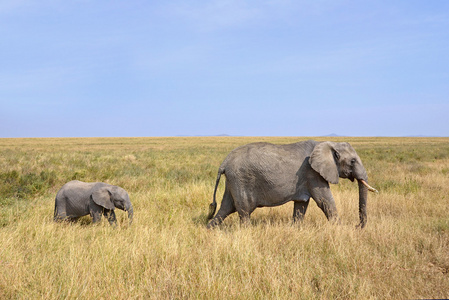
[[76, 199], [263, 175]]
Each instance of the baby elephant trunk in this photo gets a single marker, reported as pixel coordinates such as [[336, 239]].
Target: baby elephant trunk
[[130, 211]]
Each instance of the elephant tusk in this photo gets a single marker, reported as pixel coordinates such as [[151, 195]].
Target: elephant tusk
[[370, 188]]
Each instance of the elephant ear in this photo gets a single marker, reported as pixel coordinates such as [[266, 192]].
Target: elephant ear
[[322, 160], [102, 197]]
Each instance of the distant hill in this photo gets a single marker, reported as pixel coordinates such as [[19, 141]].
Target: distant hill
[[420, 135], [199, 135]]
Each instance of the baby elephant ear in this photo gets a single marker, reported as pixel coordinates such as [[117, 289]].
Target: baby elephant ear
[[102, 197], [322, 160]]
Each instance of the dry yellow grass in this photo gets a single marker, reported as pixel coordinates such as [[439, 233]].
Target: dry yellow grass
[[167, 253]]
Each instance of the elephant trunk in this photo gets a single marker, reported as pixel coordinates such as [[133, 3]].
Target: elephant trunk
[[362, 178], [130, 211], [363, 196]]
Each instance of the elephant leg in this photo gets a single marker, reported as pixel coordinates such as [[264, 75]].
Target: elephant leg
[[60, 211], [299, 210], [59, 217], [244, 217], [245, 204], [96, 212], [227, 207], [96, 217], [110, 214], [244, 208], [324, 199]]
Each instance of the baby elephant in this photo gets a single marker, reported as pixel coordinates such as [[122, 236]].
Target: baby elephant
[[76, 199]]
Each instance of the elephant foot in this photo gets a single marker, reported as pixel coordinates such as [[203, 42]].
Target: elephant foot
[[215, 222]]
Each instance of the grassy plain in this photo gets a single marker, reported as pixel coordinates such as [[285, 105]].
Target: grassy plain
[[167, 253]]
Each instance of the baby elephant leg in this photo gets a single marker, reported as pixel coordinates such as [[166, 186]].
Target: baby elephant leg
[[96, 212], [110, 214]]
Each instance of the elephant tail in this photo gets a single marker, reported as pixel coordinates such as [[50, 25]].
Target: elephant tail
[[55, 214], [213, 205]]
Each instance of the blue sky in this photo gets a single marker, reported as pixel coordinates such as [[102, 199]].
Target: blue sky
[[253, 68]]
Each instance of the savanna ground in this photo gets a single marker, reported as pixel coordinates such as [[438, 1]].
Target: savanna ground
[[167, 253]]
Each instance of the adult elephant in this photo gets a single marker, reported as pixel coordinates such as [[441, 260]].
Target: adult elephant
[[76, 199], [263, 174]]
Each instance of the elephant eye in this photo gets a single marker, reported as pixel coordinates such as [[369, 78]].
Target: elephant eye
[[353, 161]]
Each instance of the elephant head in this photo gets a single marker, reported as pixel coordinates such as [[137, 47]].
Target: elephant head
[[111, 197], [339, 160]]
